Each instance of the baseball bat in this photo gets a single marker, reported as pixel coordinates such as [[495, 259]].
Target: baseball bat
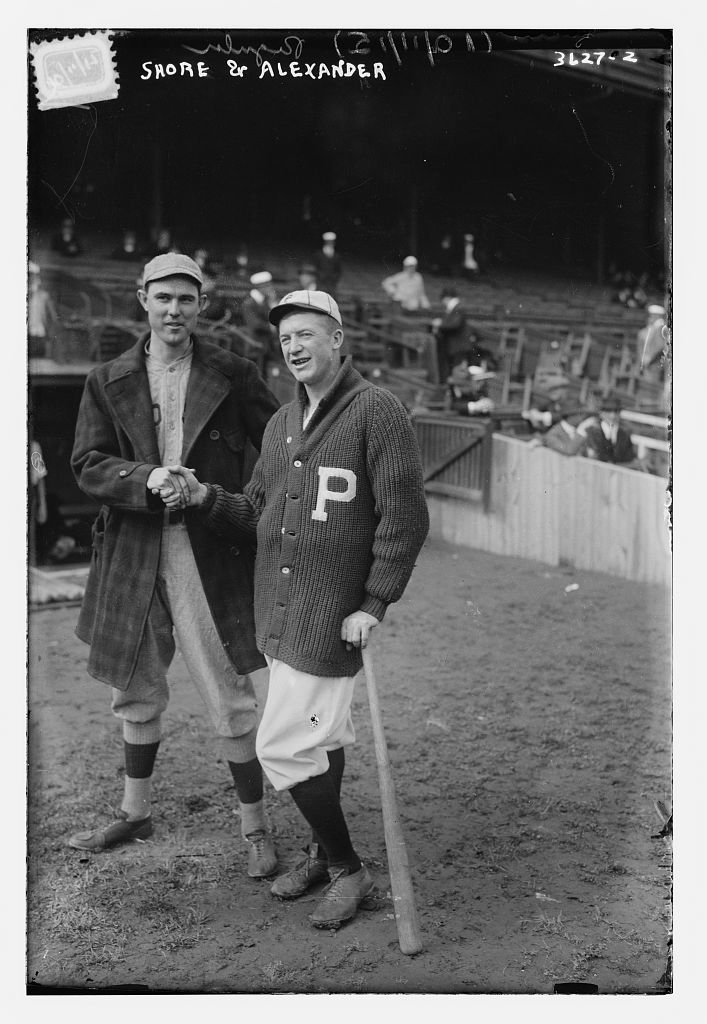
[[398, 867]]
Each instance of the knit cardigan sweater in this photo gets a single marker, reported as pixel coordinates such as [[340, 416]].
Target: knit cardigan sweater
[[340, 514]]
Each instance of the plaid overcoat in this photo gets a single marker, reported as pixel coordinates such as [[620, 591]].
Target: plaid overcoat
[[115, 450]]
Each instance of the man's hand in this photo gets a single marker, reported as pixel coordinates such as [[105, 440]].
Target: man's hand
[[195, 492], [170, 487], [355, 629]]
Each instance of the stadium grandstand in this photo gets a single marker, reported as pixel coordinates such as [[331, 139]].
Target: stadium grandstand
[[559, 170]]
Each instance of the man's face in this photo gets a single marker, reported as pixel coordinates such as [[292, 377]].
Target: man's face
[[172, 306], [310, 344], [610, 416]]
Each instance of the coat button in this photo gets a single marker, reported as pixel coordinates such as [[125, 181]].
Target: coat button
[[235, 551], [123, 472], [214, 435], [289, 440], [285, 570], [297, 464]]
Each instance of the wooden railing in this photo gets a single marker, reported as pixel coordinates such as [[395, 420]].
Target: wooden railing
[[545, 506], [456, 457]]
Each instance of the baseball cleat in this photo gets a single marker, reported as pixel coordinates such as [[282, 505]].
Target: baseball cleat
[[342, 898]]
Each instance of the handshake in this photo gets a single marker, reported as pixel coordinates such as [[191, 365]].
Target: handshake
[[177, 487]]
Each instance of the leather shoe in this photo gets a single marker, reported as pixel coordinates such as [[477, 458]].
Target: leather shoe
[[305, 873], [342, 897], [121, 831], [262, 858]]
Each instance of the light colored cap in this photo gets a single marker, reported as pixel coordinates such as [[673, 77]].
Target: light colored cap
[[33, 267], [171, 264], [313, 302], [468, 238], [409, 261], [656, 310], [262, 277], [329, 236]]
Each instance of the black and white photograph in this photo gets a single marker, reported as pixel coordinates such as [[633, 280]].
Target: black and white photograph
[[349, 381]]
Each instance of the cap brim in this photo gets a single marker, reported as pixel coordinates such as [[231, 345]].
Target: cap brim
[[277, 312]]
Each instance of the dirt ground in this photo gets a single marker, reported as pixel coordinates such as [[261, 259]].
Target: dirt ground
[[529, 733]]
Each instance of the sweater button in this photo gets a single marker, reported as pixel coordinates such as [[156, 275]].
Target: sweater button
[[289, 440], [285, 570], [298, 464], [235, 551], [214, 435], [123, 472]]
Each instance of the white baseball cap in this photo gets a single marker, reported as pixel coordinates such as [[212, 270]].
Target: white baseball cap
[[262, 277], [329, 236], [311, 302], [409, 261]]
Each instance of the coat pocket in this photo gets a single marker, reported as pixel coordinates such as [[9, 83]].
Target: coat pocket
[[98, 530]]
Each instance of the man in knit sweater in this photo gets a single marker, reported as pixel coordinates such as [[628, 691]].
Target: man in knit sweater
[[337, 500]]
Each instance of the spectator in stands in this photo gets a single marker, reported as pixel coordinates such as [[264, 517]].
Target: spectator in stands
[[652, 342], [328, 265], [242, 261], [607, 440], [307, 277], [202, 258], [468, 390], [65, 241], [255, 310], [216, 309], [164, 244], [631, 290], [407, 288], [37, 510], [451, 333], [563, 436], [42, 321], [445, 259], [128, 249], [470, 268]]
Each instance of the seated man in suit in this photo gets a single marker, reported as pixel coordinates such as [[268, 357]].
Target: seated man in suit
[[606, 439]]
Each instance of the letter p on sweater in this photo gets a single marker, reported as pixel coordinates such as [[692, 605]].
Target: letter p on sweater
[[327, 474]]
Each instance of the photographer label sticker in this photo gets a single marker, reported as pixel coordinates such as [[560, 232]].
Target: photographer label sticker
[[76, 70]]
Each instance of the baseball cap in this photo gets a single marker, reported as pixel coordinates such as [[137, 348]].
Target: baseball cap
[[170, 264], [329, 236], [262, 277], [409, 261], [313, 302], [656, 310]]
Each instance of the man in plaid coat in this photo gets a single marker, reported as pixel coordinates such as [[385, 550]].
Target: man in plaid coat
[[155, 573]]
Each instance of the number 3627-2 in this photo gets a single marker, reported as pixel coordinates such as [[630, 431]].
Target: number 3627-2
[[570, 59]]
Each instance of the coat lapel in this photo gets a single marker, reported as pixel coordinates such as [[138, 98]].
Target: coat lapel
[[207, 389], [128, 391]]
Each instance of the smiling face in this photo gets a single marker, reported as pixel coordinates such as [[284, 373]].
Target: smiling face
[[172, 306], [310, 343]]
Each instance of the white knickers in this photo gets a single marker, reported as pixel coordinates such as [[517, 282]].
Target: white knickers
[[304, 716]]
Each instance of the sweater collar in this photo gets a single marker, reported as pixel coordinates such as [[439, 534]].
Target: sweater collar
[[347, 383]]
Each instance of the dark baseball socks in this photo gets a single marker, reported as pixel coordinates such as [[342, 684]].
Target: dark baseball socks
[[139, 766], [318, 802]]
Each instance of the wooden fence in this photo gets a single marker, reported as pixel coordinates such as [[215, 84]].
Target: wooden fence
[[543, 505]]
